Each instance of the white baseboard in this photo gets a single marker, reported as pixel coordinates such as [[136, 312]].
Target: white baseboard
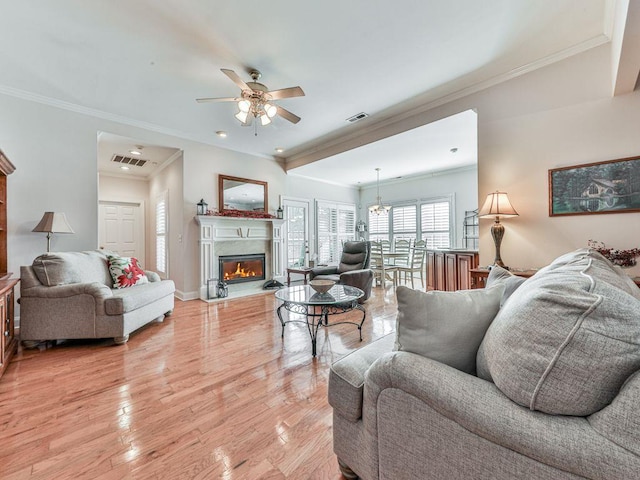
[[184, 296]]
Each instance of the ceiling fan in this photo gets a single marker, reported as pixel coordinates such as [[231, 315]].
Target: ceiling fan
[[256, 100]]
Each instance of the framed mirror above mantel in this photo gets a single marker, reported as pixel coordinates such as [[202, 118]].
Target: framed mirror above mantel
[[244, 194]]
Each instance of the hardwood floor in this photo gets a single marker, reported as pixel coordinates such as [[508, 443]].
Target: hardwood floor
[[213, 392]]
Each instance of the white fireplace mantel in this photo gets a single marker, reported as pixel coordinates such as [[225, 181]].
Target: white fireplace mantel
[[215, 229]]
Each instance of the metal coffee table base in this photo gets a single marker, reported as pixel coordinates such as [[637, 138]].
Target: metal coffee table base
[[318, 315]]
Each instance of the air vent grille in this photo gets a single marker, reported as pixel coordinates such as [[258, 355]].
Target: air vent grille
[[136, 162], [357, 117]]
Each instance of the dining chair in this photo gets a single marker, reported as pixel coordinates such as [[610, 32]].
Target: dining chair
[[381, 270], [386, 246], [402, 247], [415, 266]]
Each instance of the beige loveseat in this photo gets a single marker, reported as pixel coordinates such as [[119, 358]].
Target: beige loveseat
[[70, 296], [556, 393]]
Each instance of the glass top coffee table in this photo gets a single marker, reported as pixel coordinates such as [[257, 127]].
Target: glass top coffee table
[[316, 307]]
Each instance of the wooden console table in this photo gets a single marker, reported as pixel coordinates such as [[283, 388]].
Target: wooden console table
[[479, 276]]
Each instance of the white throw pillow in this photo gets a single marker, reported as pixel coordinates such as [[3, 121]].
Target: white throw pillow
[[446, 326]]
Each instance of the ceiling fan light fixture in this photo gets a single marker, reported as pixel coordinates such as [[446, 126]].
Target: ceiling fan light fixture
[[270, 110], [244, 105], [255, 100], [242, 116]]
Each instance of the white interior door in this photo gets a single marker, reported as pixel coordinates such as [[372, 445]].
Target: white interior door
[[121, 228], [296, 215]]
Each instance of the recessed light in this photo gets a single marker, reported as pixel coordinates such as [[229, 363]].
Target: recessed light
[[221, 134], [137, 150], [279, 149], [124, 167]]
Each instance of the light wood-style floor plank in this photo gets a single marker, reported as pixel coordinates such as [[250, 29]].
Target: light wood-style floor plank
[[213, 392]]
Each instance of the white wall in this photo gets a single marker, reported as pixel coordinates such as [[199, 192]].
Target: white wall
[[170, 180], [578, 122], [461, 183]]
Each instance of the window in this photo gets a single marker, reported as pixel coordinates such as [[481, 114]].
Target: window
[[435, 224], [378, 227], [161, 233], [336, 224], [404, 222]]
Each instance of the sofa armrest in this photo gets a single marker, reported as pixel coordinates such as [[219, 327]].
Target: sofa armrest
[[329, 270], [564, 442], [152, 276], [346, 378], [95, 289]]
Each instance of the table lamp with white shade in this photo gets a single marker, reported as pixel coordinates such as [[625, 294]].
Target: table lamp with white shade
[[53, 222], [497, 205]]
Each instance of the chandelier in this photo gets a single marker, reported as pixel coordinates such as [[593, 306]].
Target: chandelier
[[379, 208]]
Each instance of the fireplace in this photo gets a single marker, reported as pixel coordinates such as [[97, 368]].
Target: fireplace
[[241, 268]]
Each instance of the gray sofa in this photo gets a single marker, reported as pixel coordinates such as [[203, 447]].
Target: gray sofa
[[70, 296], [556, 393]]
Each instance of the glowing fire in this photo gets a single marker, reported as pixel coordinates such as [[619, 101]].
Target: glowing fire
[[240, 273]]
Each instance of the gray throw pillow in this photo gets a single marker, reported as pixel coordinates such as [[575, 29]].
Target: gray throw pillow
[[511, 282], [445, 326], [567, 340]]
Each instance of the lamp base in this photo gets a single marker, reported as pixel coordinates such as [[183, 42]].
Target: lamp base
[[497, 232]]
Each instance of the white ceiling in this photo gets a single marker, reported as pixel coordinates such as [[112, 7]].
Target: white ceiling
[[144, 62]]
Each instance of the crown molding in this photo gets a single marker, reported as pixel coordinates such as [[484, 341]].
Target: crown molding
[[420, 176]]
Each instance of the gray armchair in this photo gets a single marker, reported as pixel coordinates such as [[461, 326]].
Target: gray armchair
[[352, 270]]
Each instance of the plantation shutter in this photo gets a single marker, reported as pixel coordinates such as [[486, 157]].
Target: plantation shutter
[[404, 222], [336, 224], [435, 224], [161, 234], [378, 227]]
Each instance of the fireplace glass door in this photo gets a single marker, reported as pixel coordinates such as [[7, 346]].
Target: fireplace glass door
[[241, 268]]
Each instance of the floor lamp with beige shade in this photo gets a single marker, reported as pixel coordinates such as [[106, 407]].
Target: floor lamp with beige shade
[[53, 222], [497, 205]]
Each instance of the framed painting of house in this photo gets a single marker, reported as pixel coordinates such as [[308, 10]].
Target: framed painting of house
[[603, 187]]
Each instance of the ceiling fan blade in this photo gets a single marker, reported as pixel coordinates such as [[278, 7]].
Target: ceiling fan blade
[[287, 115], [235, 78], [286, 93], [214, 100]]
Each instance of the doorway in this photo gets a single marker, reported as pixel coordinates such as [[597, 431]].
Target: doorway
[[296, 215]]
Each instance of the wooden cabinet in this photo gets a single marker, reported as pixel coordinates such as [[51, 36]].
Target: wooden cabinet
[[8, 340], [465, 262], [450, 269], [6, 168]]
